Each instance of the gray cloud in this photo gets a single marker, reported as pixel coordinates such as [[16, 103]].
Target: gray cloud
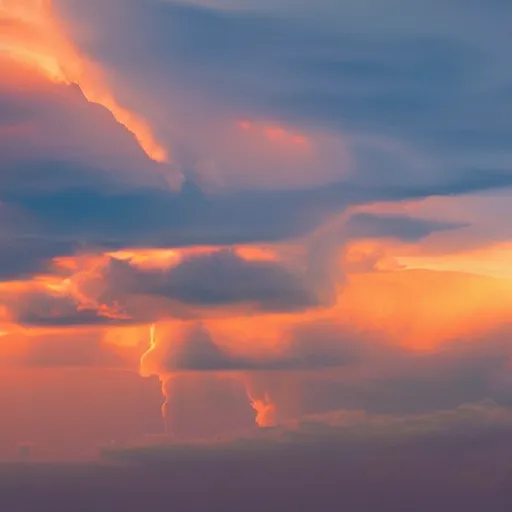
[[22, 257], [100, 200], [346, 430], [368, 225], [217, 278], [312, 347], [57, 140], [396, 380], [415, 76], [422, 93], [460, 458], [441, 457], [163, 219]]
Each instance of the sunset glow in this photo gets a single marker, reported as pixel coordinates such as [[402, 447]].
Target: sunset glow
[[255, 255], [37, 38]]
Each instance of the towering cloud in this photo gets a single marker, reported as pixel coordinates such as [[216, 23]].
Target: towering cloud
[[251, 213]]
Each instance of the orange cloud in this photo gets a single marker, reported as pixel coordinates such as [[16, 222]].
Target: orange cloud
[[265, 410], [276, 134], [493, 261], [33, 35], [415, 309], [422, 309], [150, 258], [418, 311]]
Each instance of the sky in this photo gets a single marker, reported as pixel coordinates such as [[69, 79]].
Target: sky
[[228, 222]]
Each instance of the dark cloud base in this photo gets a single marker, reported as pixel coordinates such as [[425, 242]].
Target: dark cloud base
[[453, 470]]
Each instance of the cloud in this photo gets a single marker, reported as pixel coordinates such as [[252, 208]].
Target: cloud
[[39, 39], [459, 457], [54, 139], [23, 257], [344, 430], [57, 305], [215, 279], [439, 457], [72, 173], [368, 225], [163, 219], [405, 382], [304, 128], [415, 82], [115, 291], [62, 312], [193, 346], [77, 176], [54, 142]]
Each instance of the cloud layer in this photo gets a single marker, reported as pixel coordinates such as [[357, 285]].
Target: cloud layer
[[273, 209]]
